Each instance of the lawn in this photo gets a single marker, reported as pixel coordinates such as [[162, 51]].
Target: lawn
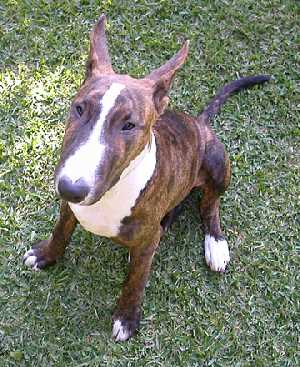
[[248, 316]]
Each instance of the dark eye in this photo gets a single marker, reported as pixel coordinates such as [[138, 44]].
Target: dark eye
[[128, 126], [79, 110]]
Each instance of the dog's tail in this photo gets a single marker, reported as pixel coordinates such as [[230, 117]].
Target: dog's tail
[[224, 93]]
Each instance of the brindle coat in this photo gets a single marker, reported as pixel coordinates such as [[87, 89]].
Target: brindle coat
[[188, 156]]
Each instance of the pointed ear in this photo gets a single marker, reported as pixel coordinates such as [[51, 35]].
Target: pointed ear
[[99, 60], [163, 76]]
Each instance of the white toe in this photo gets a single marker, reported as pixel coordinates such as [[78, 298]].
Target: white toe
[[35, 267], [119, 332], [28, 253], [216, 253], [30, 261]]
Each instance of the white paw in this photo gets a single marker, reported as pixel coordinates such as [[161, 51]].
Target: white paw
[[216, 253], [120, 333], [30, 260]]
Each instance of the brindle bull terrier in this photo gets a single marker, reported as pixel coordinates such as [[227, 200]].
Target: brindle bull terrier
[[126, 165]]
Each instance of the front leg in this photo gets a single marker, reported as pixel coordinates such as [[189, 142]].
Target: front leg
[[127, 314], [46, 252]]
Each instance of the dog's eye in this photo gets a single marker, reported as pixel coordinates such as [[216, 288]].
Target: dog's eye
[[79, 110], [128, 126]]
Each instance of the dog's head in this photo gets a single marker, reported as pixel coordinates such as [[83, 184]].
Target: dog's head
[[109, 123]]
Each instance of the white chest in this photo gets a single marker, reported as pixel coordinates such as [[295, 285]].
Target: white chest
[[105, 216]]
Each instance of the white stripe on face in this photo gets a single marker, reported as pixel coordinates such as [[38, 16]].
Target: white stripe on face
[[85, 160]]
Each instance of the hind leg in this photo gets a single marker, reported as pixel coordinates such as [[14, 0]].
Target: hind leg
[[170, 217], [215, 178]]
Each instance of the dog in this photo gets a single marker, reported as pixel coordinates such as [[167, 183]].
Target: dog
[[126, 165]]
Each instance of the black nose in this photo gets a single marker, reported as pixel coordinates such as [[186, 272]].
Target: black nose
[[73, 192]]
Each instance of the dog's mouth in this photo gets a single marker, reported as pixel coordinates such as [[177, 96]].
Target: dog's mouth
[[93, 197], [80, 193]]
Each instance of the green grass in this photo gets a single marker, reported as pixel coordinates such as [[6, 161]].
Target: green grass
[[191, 316]]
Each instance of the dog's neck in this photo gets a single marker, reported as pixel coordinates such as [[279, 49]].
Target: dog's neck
[[139, 164], [135, 177]]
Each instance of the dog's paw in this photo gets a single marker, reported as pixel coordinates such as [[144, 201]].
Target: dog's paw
[[216, 253], [124, 329], [36, 258]]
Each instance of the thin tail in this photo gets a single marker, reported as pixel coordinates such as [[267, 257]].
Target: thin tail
[[224, 93]]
